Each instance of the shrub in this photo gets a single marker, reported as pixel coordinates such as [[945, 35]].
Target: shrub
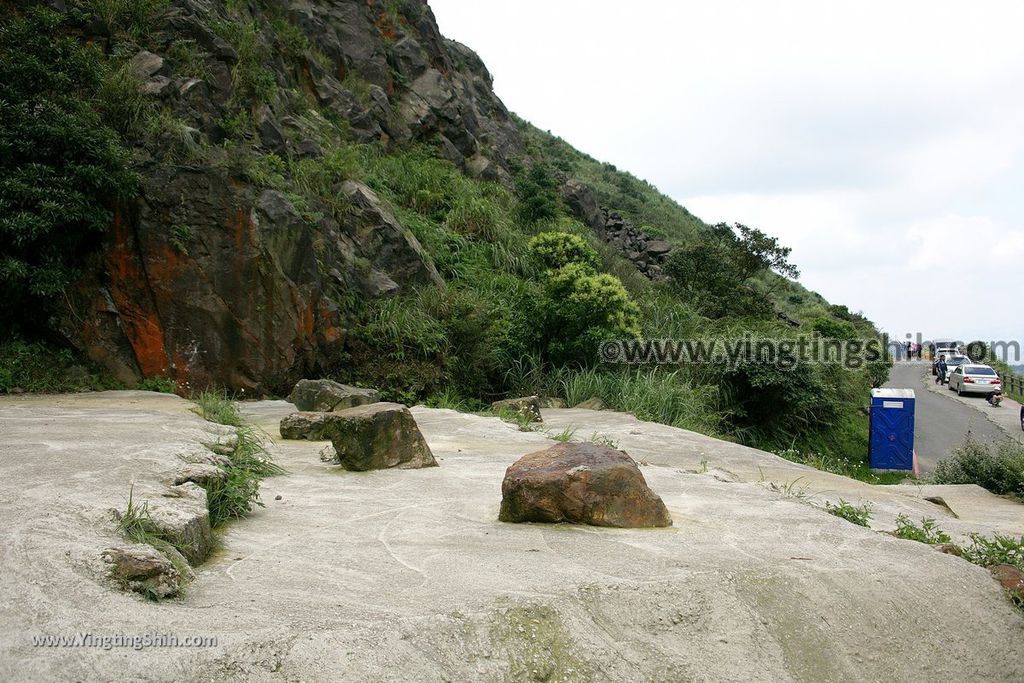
[[37, 367], [1000, 470], [861, 516], [158, 384], [556, 250], [61, 168], [582, 309], [929, 531], [538, 194]]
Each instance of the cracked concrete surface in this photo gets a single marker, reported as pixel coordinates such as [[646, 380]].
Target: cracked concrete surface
[[408, 575]]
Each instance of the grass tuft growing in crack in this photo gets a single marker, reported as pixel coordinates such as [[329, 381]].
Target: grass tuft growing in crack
[[861, 516], [137, 526], [235, 495]]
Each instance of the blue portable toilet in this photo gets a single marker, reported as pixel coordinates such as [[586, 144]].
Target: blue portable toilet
[[891, 442]]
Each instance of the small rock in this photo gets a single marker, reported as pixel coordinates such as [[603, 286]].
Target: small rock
[[527, 407], [155, 86], [378, 436], [203, 474], [949, 549], [548, 402], [144, 64], [580, 483], [143, 569], [656, 247], [592, 403], [278, 497], [1011, 579], [324, 395]]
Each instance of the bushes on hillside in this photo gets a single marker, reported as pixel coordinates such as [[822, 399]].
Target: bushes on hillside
[[581, 306], [61, 168]]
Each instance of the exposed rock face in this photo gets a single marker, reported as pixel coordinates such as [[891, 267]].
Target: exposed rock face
[[144, 569], [325, 395], [305, 425], [647, 253], [377, 436], [213, 278], [203, 474], [180, 514], [527, 407], [580, 483]]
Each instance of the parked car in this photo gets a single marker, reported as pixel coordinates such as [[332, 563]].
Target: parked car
[[974, 379], [952, 361], [948, 352]]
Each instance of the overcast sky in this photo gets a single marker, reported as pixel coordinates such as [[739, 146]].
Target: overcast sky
[[882, 141]]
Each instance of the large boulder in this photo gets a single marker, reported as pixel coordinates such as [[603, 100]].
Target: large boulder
[[580, 483], [377, 436], [324, 395], [527, 407]]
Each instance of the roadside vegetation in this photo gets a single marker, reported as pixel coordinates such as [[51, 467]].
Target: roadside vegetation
[[859, 515], [999, 469]]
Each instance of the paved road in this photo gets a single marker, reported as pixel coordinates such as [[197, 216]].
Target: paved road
[[940, 421]]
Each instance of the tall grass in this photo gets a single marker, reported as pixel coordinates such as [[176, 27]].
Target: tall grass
[[235, 494], [651, 394]]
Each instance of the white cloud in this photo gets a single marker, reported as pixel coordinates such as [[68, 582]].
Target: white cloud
[[856, 132]]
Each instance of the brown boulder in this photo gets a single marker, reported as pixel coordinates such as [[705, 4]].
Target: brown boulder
[[580, 483], [377, 436]]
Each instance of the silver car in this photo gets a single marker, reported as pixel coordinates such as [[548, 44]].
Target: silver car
[[974, 379]]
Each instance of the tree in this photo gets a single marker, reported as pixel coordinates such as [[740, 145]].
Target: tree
[[61, 168], [716, 273], [538, 194]]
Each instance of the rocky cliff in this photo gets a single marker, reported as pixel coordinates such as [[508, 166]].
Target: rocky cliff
[[236, 263]]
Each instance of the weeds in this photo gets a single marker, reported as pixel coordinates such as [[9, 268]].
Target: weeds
[[158, 384], [999, 549], [929, 531], [604, 440], [791, 489], [234, 495], [861, 516], [137, 526], [564, 436]]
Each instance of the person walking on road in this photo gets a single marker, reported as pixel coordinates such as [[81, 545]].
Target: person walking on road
[[940, 367], [910, 351]]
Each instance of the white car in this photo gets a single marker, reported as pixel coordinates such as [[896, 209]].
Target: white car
[[948, 352], [953, 362], [970, 378]]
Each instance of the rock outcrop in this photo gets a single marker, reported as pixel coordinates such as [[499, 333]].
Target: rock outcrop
[[218, 274], [527, 407], [180, 515], [647, 253], [325, 395], [580, 483], [377, 436]]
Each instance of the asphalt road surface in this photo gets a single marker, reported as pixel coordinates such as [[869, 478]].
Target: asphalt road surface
[[940, 422]]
